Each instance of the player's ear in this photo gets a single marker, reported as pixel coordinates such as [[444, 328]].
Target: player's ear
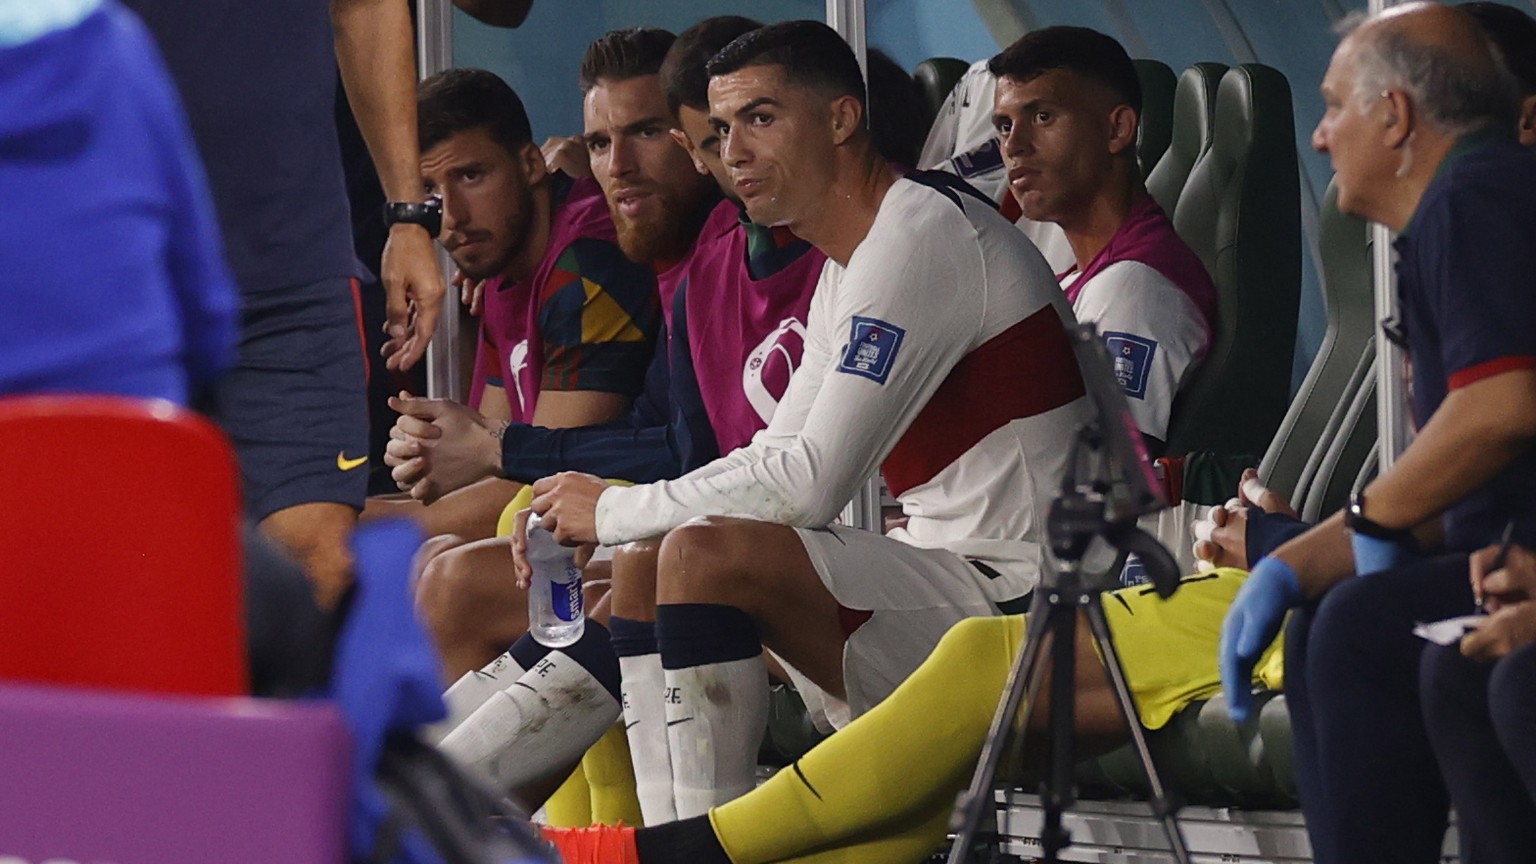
[[681, 139], [847, 118], [1526, 127], [531, 160], [1122, 129]]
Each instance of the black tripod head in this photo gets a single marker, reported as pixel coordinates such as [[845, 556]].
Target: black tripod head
[[1109, 482]]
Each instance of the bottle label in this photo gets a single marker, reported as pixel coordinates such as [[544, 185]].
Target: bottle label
[[565, 600]]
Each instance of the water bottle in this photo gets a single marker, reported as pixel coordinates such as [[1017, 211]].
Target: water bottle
[[555, 614]]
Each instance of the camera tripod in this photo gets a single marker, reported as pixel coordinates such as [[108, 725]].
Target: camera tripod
[[1076, 518]]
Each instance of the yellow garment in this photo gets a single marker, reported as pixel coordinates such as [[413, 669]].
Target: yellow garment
[[1169, 647], [881, 790], [611, 779], [521, 500], [571, 805]]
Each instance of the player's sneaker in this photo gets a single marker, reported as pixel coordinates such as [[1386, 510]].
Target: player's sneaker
[[599, 844]]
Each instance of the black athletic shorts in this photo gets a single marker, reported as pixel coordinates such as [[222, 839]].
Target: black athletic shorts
[[295, 405]]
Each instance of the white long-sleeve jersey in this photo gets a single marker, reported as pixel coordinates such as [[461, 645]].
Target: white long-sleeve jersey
[[939, 351]]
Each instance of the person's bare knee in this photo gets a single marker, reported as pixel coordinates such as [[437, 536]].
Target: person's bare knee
[[634, 580], [728, 562], [471, 605], [706, 561], [316, 535], [428, 551]]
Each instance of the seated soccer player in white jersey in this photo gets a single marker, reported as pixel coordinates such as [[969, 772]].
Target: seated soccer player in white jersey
[[881, 789], [1066, 111], [964, 142], [935, 345]]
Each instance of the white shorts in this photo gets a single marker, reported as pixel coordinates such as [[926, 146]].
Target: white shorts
[[913, 595]]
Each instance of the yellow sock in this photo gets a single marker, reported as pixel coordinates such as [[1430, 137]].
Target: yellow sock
[[611, 779], [881, 790], [571, 805]]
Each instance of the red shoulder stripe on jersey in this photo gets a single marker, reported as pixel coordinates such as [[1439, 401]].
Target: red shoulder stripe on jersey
[[1026, 370], [1490, 368]]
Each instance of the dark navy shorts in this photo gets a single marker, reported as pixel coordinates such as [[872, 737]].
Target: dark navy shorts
[[295, 404]]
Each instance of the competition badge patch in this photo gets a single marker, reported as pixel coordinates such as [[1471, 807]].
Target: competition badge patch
[[987, 157], [871, 349], [1132, 356]]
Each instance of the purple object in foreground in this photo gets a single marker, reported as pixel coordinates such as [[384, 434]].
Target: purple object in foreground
[[105, 778]]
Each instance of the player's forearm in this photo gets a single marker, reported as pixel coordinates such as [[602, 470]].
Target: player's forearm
[[614, 451], [1478, 431], [375, 52], [1321, 557]]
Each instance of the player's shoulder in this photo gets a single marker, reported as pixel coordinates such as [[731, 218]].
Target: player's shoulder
[[929, 212], [1139, 285]]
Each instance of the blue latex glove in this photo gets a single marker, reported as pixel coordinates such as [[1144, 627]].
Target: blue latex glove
[[1252, 623], [1373, 555]]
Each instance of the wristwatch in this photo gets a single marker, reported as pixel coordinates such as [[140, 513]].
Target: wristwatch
[[428, 214], [1356, 521]]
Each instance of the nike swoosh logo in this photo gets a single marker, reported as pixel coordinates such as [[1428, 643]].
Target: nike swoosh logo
[[629, 726], [346, 464], [675, 722]]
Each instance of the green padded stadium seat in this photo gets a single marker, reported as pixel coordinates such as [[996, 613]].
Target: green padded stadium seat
[[1157, 93], [1241, 212], [935, 78], [1347, 451], [1310, 426], [1194, 103], [1204, 758]]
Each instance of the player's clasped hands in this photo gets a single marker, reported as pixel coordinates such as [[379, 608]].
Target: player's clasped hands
[[438, 446], [1221, 537]]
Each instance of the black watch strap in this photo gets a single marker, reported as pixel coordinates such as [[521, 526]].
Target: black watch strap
[[1356, 521], [428, 214]]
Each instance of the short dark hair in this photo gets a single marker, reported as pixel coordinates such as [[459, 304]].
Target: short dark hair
[[810, 52], [683, 77], [1085, 52], [1514, 33], [459, 99], [620, 55]]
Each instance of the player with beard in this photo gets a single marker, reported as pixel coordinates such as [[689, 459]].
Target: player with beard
[[568, 319], [927, 294], [753, 285], [657, 202]]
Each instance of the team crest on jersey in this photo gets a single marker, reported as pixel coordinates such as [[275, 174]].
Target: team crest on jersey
[[1132, 357], [871, 349], [765, 376]]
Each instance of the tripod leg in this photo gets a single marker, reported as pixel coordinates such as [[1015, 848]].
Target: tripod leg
[[1162, 805], [976, 802], [1056, 794]]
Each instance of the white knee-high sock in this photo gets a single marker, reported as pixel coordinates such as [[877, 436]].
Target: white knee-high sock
[[472, 690], [546, 719], [716, 716], [645, 724]]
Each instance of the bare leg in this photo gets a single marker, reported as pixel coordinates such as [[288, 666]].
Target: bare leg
[[723, 561], [634, 580], [471, 512], [471, 604], [316, 535]]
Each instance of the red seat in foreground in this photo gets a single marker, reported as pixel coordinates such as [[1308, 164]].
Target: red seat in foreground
[[119, 547]]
